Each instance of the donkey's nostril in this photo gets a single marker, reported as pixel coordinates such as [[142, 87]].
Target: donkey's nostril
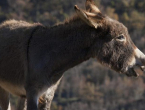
[[138, 62]]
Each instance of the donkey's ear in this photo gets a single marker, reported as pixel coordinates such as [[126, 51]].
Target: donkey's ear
[[92, 19], [91, 7]]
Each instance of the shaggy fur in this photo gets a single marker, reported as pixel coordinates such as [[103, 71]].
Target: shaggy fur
[[33, 57]]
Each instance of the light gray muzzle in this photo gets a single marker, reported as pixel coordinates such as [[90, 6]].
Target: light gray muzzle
[[137, 63]]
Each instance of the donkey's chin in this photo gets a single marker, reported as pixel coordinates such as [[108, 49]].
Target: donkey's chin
[[134, 71]]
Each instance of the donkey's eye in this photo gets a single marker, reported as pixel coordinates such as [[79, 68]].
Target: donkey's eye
[[120, 38]]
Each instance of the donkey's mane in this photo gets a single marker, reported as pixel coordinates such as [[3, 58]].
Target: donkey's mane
[[70, 20], [73, 18]]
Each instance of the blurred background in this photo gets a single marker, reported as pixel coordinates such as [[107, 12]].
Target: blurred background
[[88, 86]]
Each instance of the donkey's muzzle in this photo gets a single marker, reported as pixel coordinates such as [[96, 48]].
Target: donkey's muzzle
[[138, 65]]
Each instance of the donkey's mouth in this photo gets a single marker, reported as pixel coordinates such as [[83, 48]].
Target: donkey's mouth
[[134, 71]]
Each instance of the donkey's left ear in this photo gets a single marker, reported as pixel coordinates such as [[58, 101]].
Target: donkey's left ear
[[92, 19]]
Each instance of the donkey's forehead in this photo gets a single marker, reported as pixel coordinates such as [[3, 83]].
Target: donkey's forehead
[[116, 27]]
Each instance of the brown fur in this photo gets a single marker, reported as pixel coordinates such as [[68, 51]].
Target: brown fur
[[33, 57]]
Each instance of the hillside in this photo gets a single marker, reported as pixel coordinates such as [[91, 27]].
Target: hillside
[[89, 86]]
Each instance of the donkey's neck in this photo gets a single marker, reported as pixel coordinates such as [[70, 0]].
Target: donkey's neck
[[65, 45], [73, 43]]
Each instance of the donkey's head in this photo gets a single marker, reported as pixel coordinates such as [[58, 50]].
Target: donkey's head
[[113, 46]]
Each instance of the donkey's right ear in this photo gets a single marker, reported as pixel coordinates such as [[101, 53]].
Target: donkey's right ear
[[92, 19], [91, 7]]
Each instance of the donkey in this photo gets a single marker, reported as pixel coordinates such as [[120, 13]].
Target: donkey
[[33, 57]]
